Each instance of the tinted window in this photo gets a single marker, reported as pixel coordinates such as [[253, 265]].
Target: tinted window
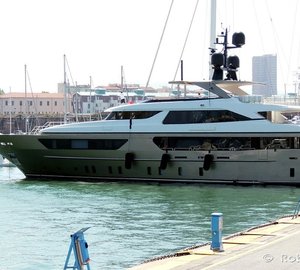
[[133, 115], [97, 144], [192, 117]]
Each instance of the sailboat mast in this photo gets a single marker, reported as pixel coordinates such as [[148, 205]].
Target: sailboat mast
[[122, 79], [10, 110], [90, 103], [65, 91], [26, 101], [213, 16], [122, 83]]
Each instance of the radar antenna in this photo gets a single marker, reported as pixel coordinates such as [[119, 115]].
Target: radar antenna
[[221, 61]]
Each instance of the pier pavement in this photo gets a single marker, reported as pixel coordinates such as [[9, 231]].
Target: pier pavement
[[275, 245]]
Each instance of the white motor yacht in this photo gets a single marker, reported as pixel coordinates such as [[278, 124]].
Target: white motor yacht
[[217, 139]]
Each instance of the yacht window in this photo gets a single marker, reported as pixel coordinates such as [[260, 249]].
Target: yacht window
[[79, 144], [97, 144], [263, 114], [226, 143], [203, 143], [121, 115], [274, 116], [192, 117]]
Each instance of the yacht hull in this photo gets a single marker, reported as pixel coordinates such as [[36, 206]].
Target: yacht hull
[[139, 159]]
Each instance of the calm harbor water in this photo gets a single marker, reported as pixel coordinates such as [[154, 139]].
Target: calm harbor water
[[129, 222]]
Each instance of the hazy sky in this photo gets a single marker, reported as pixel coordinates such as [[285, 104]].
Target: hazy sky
[[99, 36]]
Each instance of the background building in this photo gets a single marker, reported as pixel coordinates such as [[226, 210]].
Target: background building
[[264, 70], [32, 104]]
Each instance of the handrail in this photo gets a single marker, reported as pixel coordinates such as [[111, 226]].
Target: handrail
[[37, 129]]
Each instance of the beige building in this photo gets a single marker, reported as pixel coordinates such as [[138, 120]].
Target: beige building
[[37, 103]]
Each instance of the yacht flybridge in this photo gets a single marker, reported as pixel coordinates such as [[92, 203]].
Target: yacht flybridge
[[217, 139]]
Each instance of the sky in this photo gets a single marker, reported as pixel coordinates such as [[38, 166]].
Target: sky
[[100, 36]]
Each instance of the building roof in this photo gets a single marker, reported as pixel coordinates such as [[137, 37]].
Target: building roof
[[32, 95]]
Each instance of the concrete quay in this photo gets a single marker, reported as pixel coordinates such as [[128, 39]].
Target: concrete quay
[[275, 245]]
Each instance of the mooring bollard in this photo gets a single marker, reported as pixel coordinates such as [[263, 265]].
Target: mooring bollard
[[216, 231]]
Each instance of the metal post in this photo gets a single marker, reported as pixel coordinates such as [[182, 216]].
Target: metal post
[[216, 231]]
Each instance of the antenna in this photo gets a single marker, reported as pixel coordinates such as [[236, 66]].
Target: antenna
[[221, 61]]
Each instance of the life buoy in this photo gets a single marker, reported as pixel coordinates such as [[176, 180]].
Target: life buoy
[[208, 159], [129, 158], [165, 158]]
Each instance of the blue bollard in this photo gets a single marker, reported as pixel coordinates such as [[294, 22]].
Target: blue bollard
[[216, 231]]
